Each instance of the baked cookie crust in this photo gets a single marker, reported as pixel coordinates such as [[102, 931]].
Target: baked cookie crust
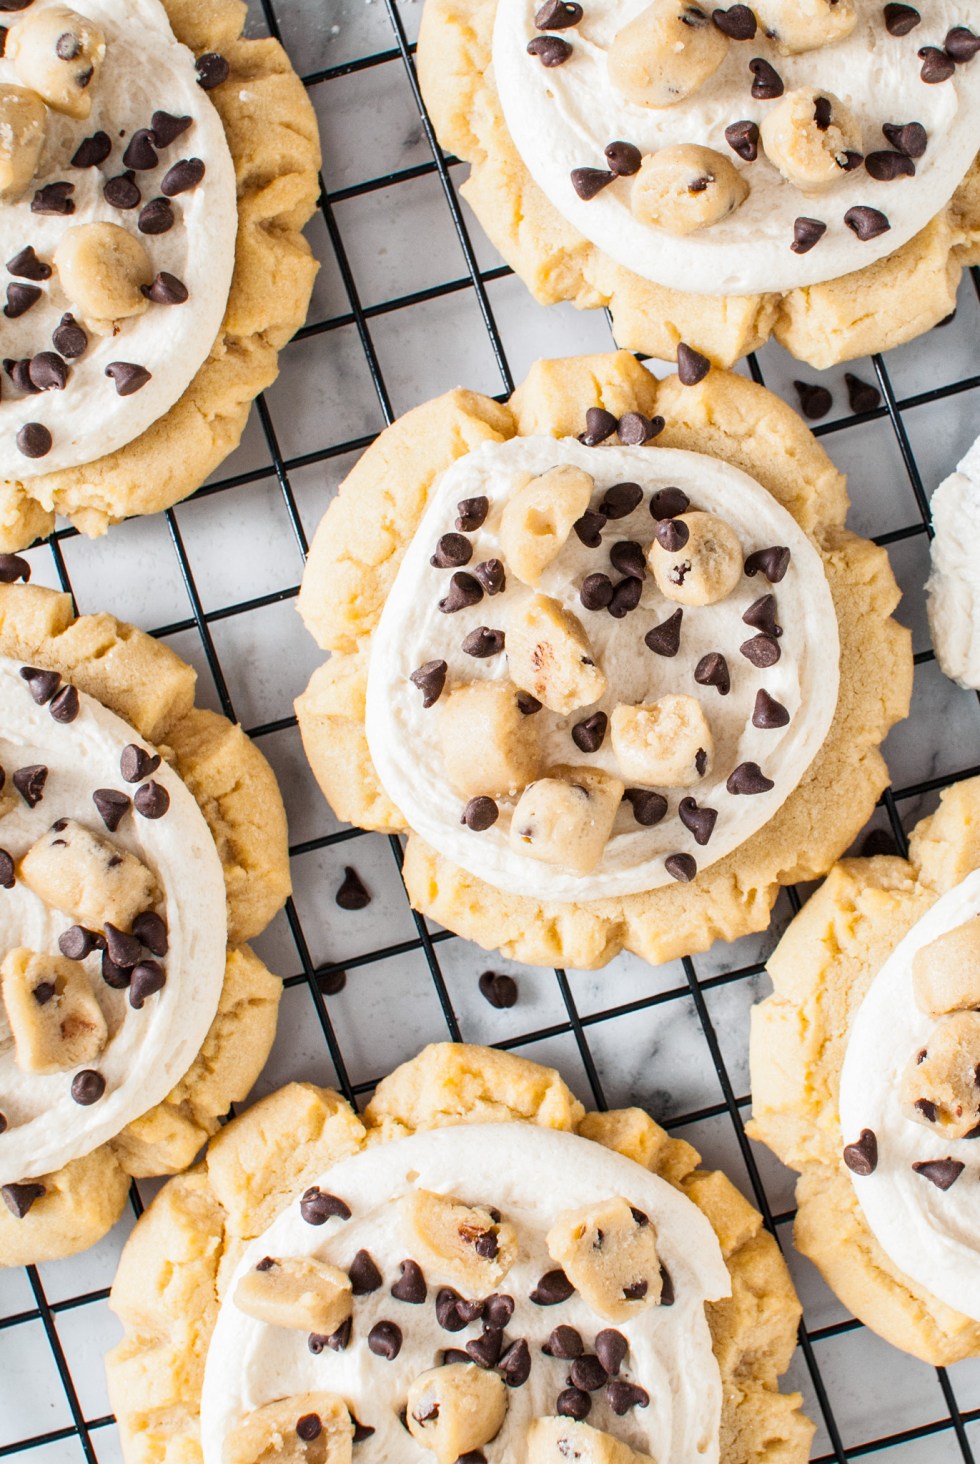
[[145, 683], [176, 1265], [821, 971], [273, 138], [355, 556], [872, 309]]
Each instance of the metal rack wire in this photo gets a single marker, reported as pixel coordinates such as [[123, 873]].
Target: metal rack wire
[[579, 1018]]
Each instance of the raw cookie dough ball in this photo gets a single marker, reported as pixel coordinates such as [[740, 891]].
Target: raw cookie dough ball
[[555, 1440], [538, 519], [808, 135], [705, 566], [549, 655], [58, 53], [54, 1018], [87, 876], [685, 188], [803, 25], [307, 1428], [296, 1292], [609, 1253], [102, 268], [566, 818], [667, 744], [946, 972], [666, 53], [488, 746], [462, 1242], [454, 1410], [23, 127], [939, 1088]]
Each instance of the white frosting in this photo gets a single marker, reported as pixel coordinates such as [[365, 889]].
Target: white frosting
[[145, 70], [529, 1174], [563, 117], [150, 1050], [929, 1233], [403, 737], [954, 585]]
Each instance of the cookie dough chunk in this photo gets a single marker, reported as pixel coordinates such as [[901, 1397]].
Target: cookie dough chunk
[[470, 1245], [609, 1253], [946, 972], [940, 1088], [54, 1018], [455, 1409], [556, 1440], [23, 128], [549, 655], [666, 53], [297, 1292], [668, 744], [308, 1428], [88, 877], [805, 25], [489, 747], [685, 188], [808, 136], [538, 519], [696, 559], [58, 54], [566, 818], [102, 268]]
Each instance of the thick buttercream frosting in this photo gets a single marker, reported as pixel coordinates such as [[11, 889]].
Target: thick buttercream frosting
[[954, 584]]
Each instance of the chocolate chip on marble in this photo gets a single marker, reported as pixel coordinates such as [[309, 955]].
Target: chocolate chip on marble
[[165, 128], [527, 704], [628, 558], [768, 713], [623, 158], [19, 1198], [748, 778], [589, 734], [156, 217], [166, 289], [464, 591], [128, 377], [698, 821], [352, 894], [665, 639], [937, 66], [962, 44], [587, 182], [767, 83], [483, 642], [551, 51], [692, 366], [553, 1288], [20, 298], [430, 679], [331, 983], [485, 1350], [122, 192], [151, 931], [364, 1274], [648, 807], [737, 22], [29, 782], [635, 429], [626, 597], [410, 1286], [69, 339], [13, 568], [151, 800], [112, 805], [41, 684], [557, 15], [573, 1403], [76, 943], [147, 979], [866, 223], [596, 592], [599, 424], [621, 500], [772, 562], [909, 138], [943, 1173], [861, 395], [212, 69], [34, 440], [92, 151], [900, 19], [807, 232], [54, 198], [564, 1343], [611, 1348], [317, 1206], [87, 1087], [48, 371], [491, 575], [712, 670], [498, 989], [124, 949], [668, 503], [140, 154], [815, 401], [182, 177], [681, 867], [762, 651], [622, 1396], [452, 552], [587, 1374], [743, 139], [886, 166], [589, 528], [515, 1364], [672, 534], [472, 513], [118, 977], [761, 615], [480, 814]]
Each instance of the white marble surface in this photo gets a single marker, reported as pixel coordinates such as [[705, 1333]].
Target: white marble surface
[[240, 545]]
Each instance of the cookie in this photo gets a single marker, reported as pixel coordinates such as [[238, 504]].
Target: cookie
[[952, 589], [878, 968], [142, 844], [406, 1210], [626, 753], [695, 172], [154, 261]]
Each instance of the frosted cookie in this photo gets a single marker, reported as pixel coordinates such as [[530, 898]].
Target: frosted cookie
[[864, 1064], [953, 589], [430, 1281], [142, 843], [719, 175], [608, 654], [155, 172]]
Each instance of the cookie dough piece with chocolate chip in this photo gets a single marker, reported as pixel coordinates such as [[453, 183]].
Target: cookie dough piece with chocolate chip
[[685, 188], [23, 128], [102, 268], [668, 744], [696, 559], [811, 137], [470, 1245], [489, 747], [456, 1409], [946, 972], [566, 818], [297, 1292], [939, 1088], [666, 53], [805, 25], [58, 54], [54, 1018], [609, 1253], [549, 655], [88, 877], [538, 519], [306, 1428], [555, 1440]]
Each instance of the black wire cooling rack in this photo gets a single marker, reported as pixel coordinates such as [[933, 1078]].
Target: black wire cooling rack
[[364, 991]]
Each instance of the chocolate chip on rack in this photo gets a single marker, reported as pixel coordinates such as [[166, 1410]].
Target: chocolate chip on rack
[[34, 440], [122, 192], [807, 233], [665, 639], [212, 69], [887, 166], [112, 806], [472, 513], [943, 1173], [552, 1289], [648, 807], [156, 217], [936, 65], [365, 1277], [54, 198], [768, 713], [767, 83], [623, 158], [352, 894], [557, 15], [712, 670], [480, 814], [166, 289], [20, 298], [815, 401], [737, 22], [743, 139], [697, 820], [498, 989], [182, 177], [128, 376], [92, 151], [551, 51], [69, 339], [410, 1286], [865, 222], [430, 679]]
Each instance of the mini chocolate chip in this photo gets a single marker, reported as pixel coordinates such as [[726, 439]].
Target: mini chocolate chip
[[527, 705], [69, 339], [20, 374], [76, 943], [886, 166], [762, 651], [589, 528], [362, 1431], [936, 65], [943, 1173], [151, 800], [452, 552], [557, 15], [772, 562], [182, 177], [623, 158], [627, 556], [749, 778], [866, 223], [54, 198], [124, 949], [564, 1343], [861, 395], [553, 1288], [472, 513], [364, 1274], [87, 1087], [648, 807], [166, 289], [92, 151], [431, 681], [962, 44], [681, 867], [67, 46], [34, 440], [712, 670], [498, 989], [666, 1287], [551, 51], [596, 592], [212, 69], [43, 992], [147, 979], [599, 424], [128, 376], [42, 685], [13, 568], [140, 152], [635, 429], [611, 1348], [29, 782], [909, 138], [165, 128], [7, 880], [352, 894], [815, 401], [878, 841], [699, 821], [927, 1108], [587, 182], [491, 576], [900, 19], [20, 298], [669, 503], [111, 805], [118, 977], [587, 1373], [410, 1286], [122, 192], [589, 734], [515, 1364], [309, 1427], [331, 983], [485, 1350], [692, 367], [768, 713], [767, 83], [317, 1206], [621, 500], [743, 139], [480, 814], [737, 22], [573, 1403], [151, 931], [483, 642], [498, 1308], [626, 597], [464, 591], [665, 639], [822, 113], [20, 1197], [450, 1313], [672, 534], [621, 1396], [806, 233], [48, 372], [761, 615], [156, 217]]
